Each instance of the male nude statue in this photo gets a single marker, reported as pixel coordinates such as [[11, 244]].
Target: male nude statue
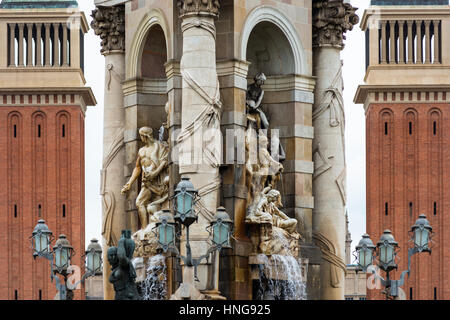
[[151, 162]]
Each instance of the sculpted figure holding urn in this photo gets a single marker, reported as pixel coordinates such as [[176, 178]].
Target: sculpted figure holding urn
[[152, 166]]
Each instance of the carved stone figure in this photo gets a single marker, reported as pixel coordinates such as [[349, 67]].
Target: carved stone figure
[[109, 24], [123, 274], [152, 166], [277, 232], [254, 97]]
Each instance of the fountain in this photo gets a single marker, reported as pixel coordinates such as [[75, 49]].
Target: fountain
[[154, 287], [277, 271]]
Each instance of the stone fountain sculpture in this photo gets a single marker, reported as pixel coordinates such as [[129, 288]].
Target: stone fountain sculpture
[[275, 260], [273, 232]]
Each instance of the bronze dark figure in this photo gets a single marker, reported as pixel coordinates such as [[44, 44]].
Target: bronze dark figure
[[123, 275]]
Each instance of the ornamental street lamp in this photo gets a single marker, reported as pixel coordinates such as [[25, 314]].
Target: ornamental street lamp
[[61, 256], [184, 198], [386, 252]]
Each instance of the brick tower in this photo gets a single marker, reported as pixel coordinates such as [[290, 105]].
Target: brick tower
[[42, 108], [406, 98]]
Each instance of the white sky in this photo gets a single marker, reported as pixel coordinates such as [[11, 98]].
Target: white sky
[[353, 72]]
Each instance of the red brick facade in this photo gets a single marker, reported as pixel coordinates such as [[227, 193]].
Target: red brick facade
[[42, 174], [408, 173]]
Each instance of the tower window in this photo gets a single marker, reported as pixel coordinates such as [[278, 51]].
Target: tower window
[[39, 130], [385, 128], [39, 210], [63, 130], [16, 295], [15, 131], [386, 208], [410, 293], [435, 293], [40, 294], [15, 211], [410, 209], [434, 127], [410, 128], [64, 210], [434, 208]]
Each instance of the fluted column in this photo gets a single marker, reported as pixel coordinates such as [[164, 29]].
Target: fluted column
[[107, 21], [12, 45], [427, 41], [198, 69], [330, 21], [383, 51], [392, 42], [419, 42], [38, 44], [47, 44], [410, 41], [29, 44], [20, 44], [64, 46], [56, 46], [401, 49], [437, 42]]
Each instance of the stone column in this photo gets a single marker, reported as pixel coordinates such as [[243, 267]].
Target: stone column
[[108, 23], [201, 107], [331, 19]]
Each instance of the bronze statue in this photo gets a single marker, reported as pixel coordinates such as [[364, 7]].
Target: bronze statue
[[123, 275]]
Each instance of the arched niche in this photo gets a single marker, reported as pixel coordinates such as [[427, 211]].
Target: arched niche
[[269, 51], [280, 29], [154, 54]]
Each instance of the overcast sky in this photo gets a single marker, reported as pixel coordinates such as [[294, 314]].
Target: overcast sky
[[353, 72]]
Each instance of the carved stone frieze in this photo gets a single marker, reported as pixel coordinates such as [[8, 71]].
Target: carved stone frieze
[[198, 7], [109, 24], [331, 20]]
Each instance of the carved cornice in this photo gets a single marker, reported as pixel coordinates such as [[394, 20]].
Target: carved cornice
[[198, 7], [331, 20], [109, 24]]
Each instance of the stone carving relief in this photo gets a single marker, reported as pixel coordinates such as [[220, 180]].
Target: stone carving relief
[[331, 19], [152, 166], [198, 6], [109, 24], [272, 231], [109, 200]]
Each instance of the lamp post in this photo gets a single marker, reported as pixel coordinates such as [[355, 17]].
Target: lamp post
[[60, 257], [386, 252], [184, 198]]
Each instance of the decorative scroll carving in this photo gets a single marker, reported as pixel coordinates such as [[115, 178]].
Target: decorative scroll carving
[[198, 7], [109, 24], [331, 20], [109, 200], [329, 254]]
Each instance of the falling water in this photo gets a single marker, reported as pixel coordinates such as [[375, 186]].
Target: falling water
[[281, 278], [154, 286]]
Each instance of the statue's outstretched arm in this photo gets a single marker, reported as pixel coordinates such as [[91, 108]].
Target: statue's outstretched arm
[[136, 173]]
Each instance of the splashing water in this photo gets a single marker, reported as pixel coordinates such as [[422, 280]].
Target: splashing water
[[281, 278], [154, 286]]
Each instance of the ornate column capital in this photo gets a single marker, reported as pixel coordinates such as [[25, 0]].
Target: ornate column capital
[[109, 24], [331, 20], [198, 7]]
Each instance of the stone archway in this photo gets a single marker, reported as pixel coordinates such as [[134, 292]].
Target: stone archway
[[276, 18]]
